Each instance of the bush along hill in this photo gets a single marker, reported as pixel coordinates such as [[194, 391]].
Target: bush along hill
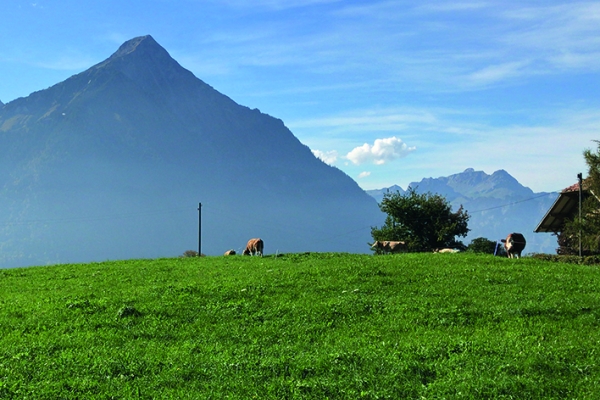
[[320, 325]]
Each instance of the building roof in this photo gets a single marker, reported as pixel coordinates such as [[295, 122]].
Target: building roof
[[565, 206]]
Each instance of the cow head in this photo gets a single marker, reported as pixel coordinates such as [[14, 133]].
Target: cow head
[[377, 245]]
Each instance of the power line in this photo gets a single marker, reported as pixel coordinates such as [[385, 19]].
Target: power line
[[514, 202], [93, 218]]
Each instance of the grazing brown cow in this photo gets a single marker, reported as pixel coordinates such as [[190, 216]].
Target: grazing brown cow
[[514, 245], [254, 247], [230, 253], [388, 246]]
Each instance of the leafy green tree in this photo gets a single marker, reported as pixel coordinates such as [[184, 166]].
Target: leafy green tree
[[589, 224], [483, 245], [425, 222]]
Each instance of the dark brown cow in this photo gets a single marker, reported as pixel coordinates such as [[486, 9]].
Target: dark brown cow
[[388, 246], [230, 252], [254, 247], [514, 245]]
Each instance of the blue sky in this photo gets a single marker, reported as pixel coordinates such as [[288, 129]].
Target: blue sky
[[390, 92]]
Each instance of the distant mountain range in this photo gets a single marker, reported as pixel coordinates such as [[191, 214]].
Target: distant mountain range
[[113, 162], [498, 204]]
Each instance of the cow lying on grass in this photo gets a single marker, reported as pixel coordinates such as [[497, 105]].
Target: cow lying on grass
[[514, 244], [446, 251], [388, 246], [254, 247]]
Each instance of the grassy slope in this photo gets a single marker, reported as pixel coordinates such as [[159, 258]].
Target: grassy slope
[[302, 326]]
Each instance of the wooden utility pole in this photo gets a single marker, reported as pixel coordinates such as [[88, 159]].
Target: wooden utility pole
[[579, 179], [199, 229]]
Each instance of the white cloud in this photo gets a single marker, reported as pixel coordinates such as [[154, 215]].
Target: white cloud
[[382, 151], [500, 72], [364, 174], [328, 157]]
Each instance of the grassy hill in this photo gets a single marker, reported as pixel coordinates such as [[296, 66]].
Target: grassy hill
[[326, 325]]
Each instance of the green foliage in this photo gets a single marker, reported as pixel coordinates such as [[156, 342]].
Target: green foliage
[[192, 253], [568, 258], [425, 222], [306, 326], [482, 245], [589, 224]]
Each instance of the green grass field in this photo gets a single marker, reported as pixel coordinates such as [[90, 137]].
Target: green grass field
[[314, 326]]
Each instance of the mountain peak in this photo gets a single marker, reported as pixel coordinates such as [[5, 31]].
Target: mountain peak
[[502, 173], [474, 184], [148, 65], [142, 48], [142, 44]]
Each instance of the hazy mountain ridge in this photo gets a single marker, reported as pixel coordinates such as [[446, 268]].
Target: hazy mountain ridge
[[378, 193], [112, 163], [498, 204]]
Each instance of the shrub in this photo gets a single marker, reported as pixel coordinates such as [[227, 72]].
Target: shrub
[[591, 260], [567, 258], [482, 245], [192, 253], [545, 257]]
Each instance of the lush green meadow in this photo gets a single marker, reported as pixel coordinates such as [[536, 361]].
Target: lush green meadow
[[337, 326]]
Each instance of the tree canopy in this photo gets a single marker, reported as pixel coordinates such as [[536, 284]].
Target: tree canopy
[[589, 224], [425, 222], [484, 245]]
